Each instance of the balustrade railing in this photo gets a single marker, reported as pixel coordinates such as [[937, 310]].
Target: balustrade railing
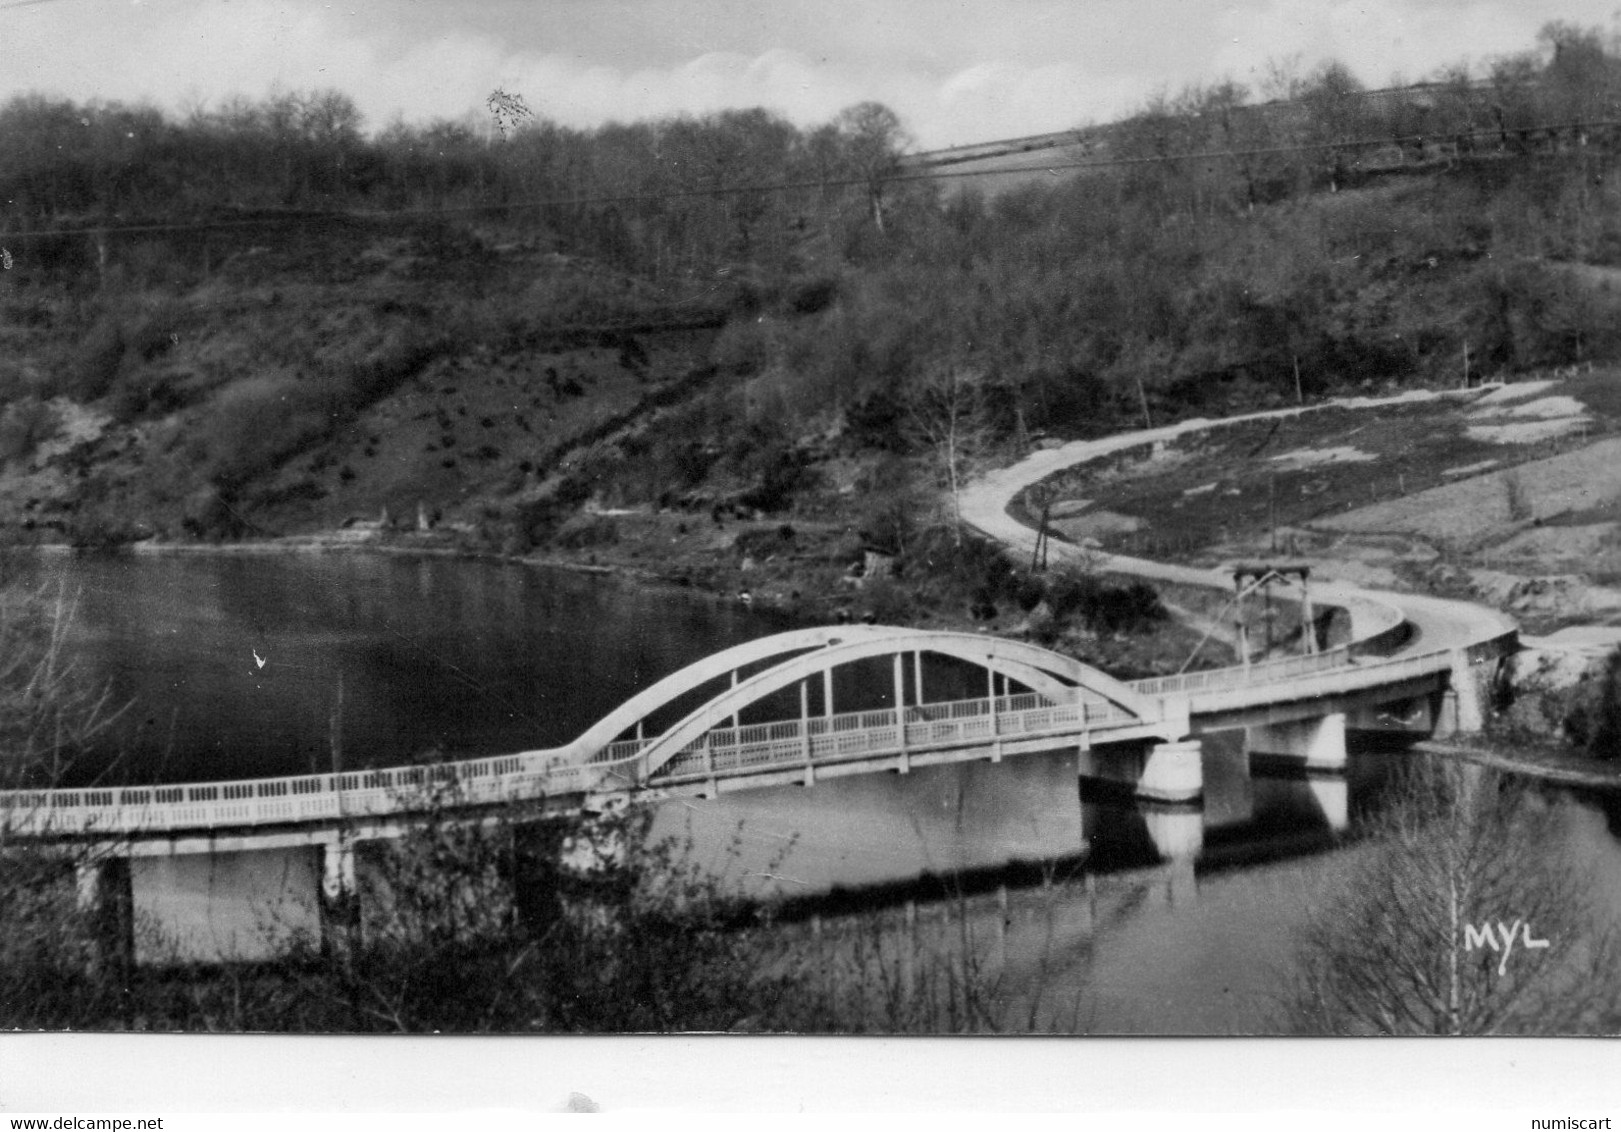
[[1263, 672]]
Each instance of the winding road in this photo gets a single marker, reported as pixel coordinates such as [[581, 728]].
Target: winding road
[[1436, 623]]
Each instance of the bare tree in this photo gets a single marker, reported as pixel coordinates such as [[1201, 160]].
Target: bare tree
[[509, 110], [50, 714], [1468, 915], [946, 413], [874, 139], [50, 710]]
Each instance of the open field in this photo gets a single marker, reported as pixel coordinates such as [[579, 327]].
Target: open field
[[1523, 480]]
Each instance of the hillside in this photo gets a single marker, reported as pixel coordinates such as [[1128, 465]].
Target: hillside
[[281, 396], [740, 355]]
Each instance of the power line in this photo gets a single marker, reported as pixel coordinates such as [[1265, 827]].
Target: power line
[[576, 201]]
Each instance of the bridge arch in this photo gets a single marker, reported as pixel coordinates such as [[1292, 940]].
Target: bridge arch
[[700, 672], [1048, 673]]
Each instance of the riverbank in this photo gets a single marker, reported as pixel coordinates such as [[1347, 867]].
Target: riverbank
[[806, 572], [1549, 765]]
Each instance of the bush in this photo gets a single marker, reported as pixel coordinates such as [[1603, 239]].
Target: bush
[[404, 351], [51, 715], [763, 542], [1386, 950], [252, 426], [811, 296], [94, 364], [1102, 606], [25, 425], [533, 923], [157, 333], [585, 531], [1592, 718], [888, 602], [147, 394]]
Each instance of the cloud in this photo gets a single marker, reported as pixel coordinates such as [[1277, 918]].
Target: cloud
[[955, 70], [1385, 39]]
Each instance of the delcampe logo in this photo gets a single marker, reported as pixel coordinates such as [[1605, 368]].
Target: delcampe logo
[[1501, 939]]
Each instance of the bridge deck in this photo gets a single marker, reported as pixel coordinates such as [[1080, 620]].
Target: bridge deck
[[962, 726], [723, 757]]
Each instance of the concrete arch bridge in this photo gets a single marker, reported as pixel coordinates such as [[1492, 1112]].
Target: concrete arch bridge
[[795, 708]]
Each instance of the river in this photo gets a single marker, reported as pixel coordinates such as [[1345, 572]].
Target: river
[[251, 665]]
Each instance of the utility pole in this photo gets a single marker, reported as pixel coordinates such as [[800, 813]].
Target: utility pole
[[1272, 506]]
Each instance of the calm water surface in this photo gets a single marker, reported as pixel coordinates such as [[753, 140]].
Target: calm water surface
[[250, 665]]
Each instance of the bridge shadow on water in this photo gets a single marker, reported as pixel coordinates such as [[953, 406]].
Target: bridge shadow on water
[[1232, 837]]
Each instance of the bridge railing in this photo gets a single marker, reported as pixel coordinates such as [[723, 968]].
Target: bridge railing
[[824, 739], [1354, 676], [1264, 672], [383, 791], [253, 801]]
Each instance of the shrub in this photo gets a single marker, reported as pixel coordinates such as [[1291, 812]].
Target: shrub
[[146, 394], [1592, 712], [811, 296], [888, 602], [1386, 950], [252, 426], [763, 542], [403, 353], [94, 364], [584, 531], [25, 425], [875, 422], [1102, 606], [157, 333]]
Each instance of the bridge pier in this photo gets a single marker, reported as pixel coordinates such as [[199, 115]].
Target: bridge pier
[[1297, 772], [1460, 709], [105, 896], [226, 904], [339, 895], [1414, 718], [1144, 799]]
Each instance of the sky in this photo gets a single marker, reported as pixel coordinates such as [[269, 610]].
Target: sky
[[956, 71]]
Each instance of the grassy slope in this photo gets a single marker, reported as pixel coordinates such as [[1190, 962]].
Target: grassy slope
[[309, 403], [1416, 493]]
